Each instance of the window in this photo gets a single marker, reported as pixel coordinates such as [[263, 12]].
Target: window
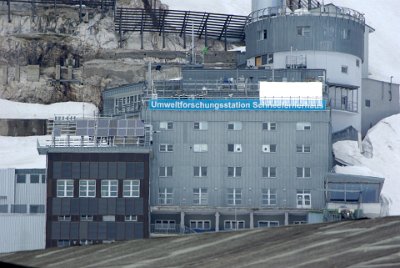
[[64, 218], [86, 218], [43, 178], [36, 209], [63, 243], [233, 225], [268, 197], [85, 242], [165, 225], [130, 217], [165, 196], [200, 171], [234, 196], [268, 224], [236, 148], [200, 125], [200, 148], [166, 148], [267, 59], [3, 208], [109, 218], [367, 103], [269, 148], [234, 125], [165, 171], [200, 225], [345, 69], [299, 222], [269, 172], [262, 35], [346, 34], [109, 188], [303, 148], [234, 172], [18, 208], [35, 178], [269, 126], [65, 188], [21, 178], [200, 196], [166, 125], [304, 31], [303, 126], [303, 172], [303, 199], [87, 188], [131, 188]]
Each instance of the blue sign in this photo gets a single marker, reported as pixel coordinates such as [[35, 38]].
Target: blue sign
[[237, 104]]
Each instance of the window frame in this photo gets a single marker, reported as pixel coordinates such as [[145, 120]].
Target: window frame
[[303, 148], [166, 148], [269, 148], [64, 184], [165, 197], [303, 126], [133, 190], [166, 125], [202, 171], [200, 148], [234, 224], [304, 171], [202, 125], [167, 171], [87, 191], [234, 196], [304, 31], [269, 126], [108, 192], [301, 201], [236, 147], [200, 196], [268, 172], [234, 126], [269, 197], [236, 172]]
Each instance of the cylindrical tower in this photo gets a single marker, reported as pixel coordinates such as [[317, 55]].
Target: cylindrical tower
[[261, 4], [324, 37]]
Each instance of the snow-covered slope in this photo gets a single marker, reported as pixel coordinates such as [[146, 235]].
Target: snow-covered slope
[[19, 110], [381, 154], [382, 15]]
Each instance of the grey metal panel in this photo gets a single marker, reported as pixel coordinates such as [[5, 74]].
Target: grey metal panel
[[92, 230], [103, 169], [3, 208], [76, 170], [384, 102], [111, 206], [102, 206], [55, 230], [65, 206], [56, 206], [129, 230], [74, 232], [56, 169], [93, 206], [120, 210], [102, 230], [75, 206], [138, 206], [85, 170], [326, 35], [111, 231], [83, 230], [65, 230], [112, 170], [121, 167], [129, 206], [252, 159], [120, 234], [84, 206], [94, 169], [138, 230]]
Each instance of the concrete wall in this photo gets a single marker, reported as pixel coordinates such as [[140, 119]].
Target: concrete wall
[[384, 102]]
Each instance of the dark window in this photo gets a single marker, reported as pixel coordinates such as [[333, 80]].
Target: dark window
[[18, 209], [43, 178], [34, 178], [36, 209], [21, 178], [345, 69], [368, 103], [230, 147]]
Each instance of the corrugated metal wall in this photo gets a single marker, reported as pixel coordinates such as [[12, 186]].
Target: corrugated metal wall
[[252, 159], [326, 35]]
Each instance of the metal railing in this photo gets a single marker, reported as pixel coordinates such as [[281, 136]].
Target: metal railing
[[342, 12]]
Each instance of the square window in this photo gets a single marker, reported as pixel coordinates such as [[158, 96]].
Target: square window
[[304, 31], [35, 178], [166, 148], [65, 188], [367, 103], [303, 126], [200, 125], [166, 125], [87, 188], [199, 171], [234, 125], [236, 148], [131, 188], [345, 69], [269, 126], [109, 188], [165, 171], [21, 178], [200, 148]]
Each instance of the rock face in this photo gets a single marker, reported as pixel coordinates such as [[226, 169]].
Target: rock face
[[50, 55]]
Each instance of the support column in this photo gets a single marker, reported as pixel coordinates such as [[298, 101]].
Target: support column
[[9, 10], [252, 220], [217, 221], [182, 224], [286, 218]]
